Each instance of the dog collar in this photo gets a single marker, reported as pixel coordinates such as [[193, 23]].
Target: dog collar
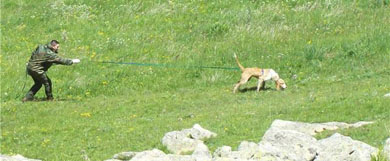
[[262, 71]]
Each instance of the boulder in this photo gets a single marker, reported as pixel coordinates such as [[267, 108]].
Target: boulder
[[149, 155], [222, 152], [202, 152], [246, 151], [386, 149], [249, 150], [157, 155], [199, 133], [187, 140], [314, 128], [339, 147], [283, 141], [280, 144], [15, 158]]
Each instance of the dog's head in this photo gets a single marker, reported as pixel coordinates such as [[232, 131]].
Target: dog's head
[[281, 83]]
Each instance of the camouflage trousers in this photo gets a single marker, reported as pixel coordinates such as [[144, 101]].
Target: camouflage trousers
[[39, 80]]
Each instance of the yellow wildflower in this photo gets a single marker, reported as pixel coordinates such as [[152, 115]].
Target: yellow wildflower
[[86, 114]]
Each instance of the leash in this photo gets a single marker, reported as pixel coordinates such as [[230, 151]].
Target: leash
[[166, 65], [150, 64]]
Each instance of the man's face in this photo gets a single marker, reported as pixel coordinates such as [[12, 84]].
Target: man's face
[[56, 47]]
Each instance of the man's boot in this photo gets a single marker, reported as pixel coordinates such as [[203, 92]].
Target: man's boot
[[25, 99], [29, 96]]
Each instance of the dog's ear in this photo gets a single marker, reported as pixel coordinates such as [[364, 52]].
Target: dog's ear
[[282, 83]]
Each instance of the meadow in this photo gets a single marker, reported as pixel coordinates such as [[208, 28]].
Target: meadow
[[333, 54]]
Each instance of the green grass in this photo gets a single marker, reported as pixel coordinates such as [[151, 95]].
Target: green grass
[[338, 51]]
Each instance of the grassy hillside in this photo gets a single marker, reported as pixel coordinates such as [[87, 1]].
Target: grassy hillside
[[334, 56]]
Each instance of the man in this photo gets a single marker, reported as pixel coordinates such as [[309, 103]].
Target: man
[[41, 60]]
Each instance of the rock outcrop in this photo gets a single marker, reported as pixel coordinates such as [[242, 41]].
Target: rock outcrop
[[187, 140], [339, 147], [283, 141], [15, 158]]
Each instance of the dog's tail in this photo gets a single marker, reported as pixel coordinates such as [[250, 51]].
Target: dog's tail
[[239, 65]]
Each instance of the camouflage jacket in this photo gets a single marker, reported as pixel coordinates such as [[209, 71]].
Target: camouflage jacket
[[43, 58]]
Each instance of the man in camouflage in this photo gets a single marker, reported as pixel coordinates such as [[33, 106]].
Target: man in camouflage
[[41, 60]]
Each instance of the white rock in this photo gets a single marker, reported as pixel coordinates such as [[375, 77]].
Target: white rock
[[248, 150], [199, 133], [187, 140], [339, 147], [223, 152], [179, 143], [386, 149], [280, 144], [173, 157], [202, 152], [149, 155], [314, 128], [15, 158]]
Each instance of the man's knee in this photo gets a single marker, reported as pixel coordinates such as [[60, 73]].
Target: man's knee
[[37, 85]]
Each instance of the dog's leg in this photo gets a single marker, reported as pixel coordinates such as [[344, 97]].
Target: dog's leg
[[263, 85], [260, 84], [242, 81]]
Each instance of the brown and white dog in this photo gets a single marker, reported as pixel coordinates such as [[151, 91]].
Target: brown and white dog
[[261, 74]]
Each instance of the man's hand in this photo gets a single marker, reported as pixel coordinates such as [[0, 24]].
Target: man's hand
[[75, 61]]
